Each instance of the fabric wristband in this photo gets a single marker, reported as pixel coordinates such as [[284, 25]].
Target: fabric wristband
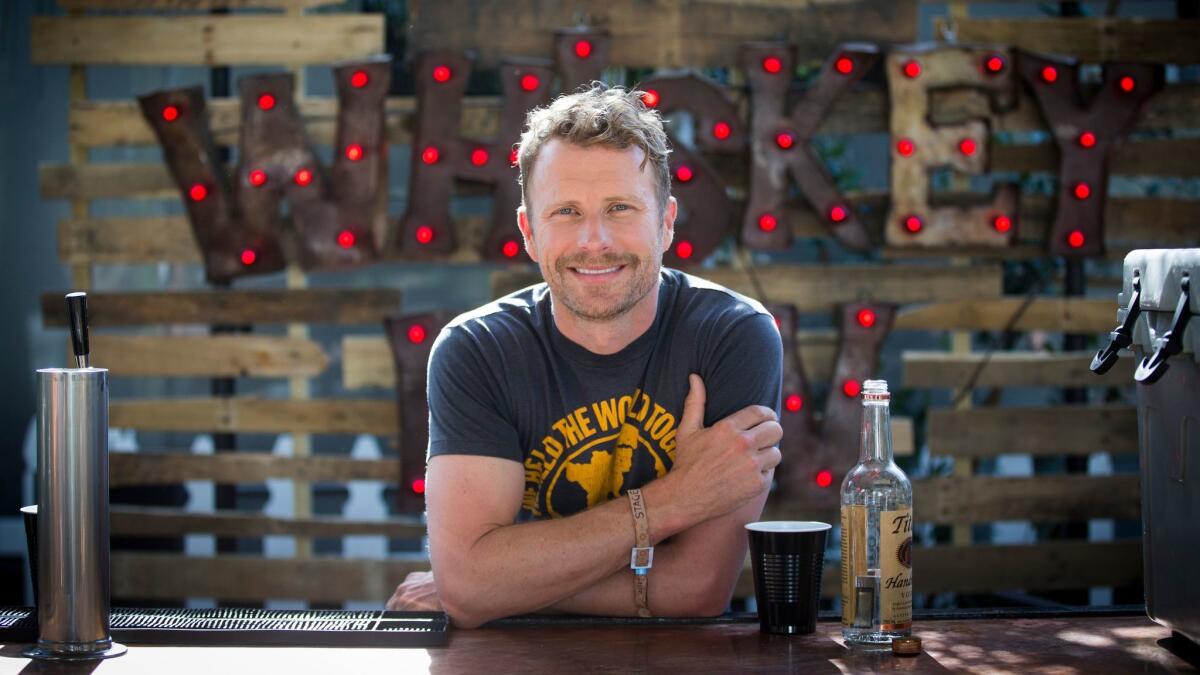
[[641, 559]]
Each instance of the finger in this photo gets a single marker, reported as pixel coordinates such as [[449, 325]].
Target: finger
[[751, 415], [769, 458], [693, 406], [765, 434]]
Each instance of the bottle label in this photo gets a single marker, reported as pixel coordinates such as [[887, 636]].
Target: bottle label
[[854, 556], [895, 568]]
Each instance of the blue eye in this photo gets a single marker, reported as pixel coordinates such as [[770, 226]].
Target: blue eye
[[565, 211], [623, 207]]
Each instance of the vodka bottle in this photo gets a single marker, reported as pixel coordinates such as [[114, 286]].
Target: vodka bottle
[[876, 533]]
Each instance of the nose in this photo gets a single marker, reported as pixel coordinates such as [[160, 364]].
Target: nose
[[594, 234]]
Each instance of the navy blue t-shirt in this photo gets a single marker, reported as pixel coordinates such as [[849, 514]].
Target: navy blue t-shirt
[[504, 382]]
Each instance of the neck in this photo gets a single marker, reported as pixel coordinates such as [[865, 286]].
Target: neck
[[612, 335]]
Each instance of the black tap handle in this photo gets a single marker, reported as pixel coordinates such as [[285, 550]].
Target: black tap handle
[[1121, 336], [1170, 342], [77, 311]]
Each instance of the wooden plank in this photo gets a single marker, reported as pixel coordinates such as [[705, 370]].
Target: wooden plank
[[863, 110], [205, 40], [162, 576], [1049, 430], [981, 499], [160, 468], [199, 5], [137, 521], [250, 415], [207, 355], [819, 287], [1076, 315], [659, 33], [1147, 157], [937, 370], [367, 360], [314, 305], [1036, 567], [127, 241], [1092, 39]]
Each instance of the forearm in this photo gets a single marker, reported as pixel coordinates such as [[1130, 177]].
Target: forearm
[[693, 575], [514, 569]]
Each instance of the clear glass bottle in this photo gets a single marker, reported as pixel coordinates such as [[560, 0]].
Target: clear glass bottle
[[876, 533]]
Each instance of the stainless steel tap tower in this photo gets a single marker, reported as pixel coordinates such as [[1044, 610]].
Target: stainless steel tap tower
[[72, 474]]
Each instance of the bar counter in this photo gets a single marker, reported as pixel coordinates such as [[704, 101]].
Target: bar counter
[[989, 642]]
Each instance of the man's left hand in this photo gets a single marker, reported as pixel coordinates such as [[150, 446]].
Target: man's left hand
[[416, 594]]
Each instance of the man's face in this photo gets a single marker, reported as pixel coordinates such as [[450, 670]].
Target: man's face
[[594, 227]]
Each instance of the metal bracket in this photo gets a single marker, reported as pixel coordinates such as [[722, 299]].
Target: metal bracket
[[1121, 336], [1169, 343]]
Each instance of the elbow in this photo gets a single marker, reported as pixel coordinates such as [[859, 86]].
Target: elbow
[[462, 603], [707, 599]]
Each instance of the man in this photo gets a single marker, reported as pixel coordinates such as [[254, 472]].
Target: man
[[550, 406]]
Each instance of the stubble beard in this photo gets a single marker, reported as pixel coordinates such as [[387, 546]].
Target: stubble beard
[[642, 274]]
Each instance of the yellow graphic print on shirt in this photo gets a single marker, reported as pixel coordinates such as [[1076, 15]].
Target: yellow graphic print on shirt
[[589, 455]]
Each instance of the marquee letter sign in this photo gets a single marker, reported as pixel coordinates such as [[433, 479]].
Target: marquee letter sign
[[336, 218], [780, 142], [913, 72], [1086, 137], [816, 455], [705, 210]]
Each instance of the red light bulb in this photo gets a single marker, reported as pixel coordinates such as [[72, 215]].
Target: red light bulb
[[844, 65], [785, 140], [266, 102], [911, 69], [905, 147], [416, 333], [684, 249], [1049, 74], [851, 388], [793, 403], [967, 147], [345, 239], [303, 177], [1002, 223], [824, 478], [1127, 84], [198, 192], [767, 222], [418, 486], [583, 48], [1082, 191], [994, 64], [513, 157], [772, 64], [430, 155], [1075, 239], [479, 156], [248, 256], [684, 173], [354, 152], [424, 234], [721, 131], [257, 177], [913, 224], [1087, 140], [510, 249], [866, 318], [839, 213], [170, 113], [441, 74], [530, 82], [650, 98], [359, 79]]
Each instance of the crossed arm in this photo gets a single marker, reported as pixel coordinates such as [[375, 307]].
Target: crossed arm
[[486, 567]]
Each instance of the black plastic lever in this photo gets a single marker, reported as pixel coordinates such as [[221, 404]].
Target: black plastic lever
[[1169, 343], [1121, 336]]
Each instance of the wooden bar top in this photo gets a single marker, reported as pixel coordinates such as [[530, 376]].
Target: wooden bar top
[[1103, 644]]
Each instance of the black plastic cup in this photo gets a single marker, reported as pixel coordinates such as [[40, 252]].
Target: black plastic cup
[[29, 514], [787, 557]]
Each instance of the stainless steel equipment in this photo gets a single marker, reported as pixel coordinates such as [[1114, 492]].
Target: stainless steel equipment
[[72, 474]]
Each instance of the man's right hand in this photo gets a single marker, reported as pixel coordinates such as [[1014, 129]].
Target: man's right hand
[[719, 468]]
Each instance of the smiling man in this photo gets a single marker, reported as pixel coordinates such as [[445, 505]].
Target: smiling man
[[597, 442]]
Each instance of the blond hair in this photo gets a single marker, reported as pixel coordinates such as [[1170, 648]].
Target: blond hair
[[598, 115]]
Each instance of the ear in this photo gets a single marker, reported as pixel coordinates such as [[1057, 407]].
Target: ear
[[669, 215], [526, 232]]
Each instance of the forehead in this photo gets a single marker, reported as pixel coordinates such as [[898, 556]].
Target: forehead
[[565, 171]]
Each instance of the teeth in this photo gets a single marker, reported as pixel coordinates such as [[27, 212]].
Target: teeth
[[603, 271]]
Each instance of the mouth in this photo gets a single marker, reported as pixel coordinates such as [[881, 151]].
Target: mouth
[[596, 273]]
